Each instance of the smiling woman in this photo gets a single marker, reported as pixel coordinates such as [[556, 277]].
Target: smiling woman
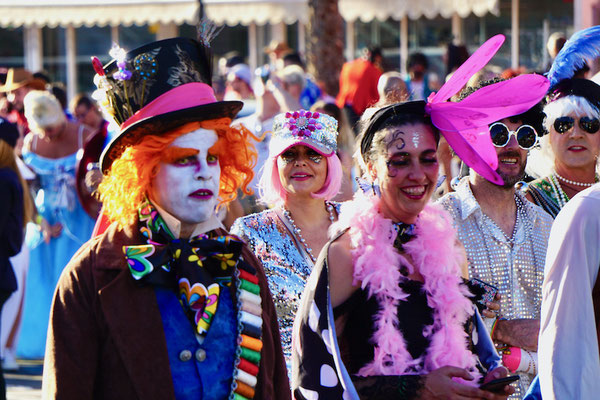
[[353, 337], [302, 170], [300, 176], [405, 165]]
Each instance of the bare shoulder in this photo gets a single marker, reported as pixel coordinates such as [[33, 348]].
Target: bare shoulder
[[28, 141], [341, 270]]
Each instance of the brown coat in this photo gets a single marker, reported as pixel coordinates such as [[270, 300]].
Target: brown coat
[[105, 339]]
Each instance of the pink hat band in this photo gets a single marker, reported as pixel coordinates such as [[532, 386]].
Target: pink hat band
[[179, 98]]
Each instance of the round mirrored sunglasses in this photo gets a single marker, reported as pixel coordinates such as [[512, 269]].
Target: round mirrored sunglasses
[[587, 124], [526, 135]]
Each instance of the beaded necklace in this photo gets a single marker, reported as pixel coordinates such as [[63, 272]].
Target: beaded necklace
[[584, 184], [298, 233], [513, 235], [561, 196], [521, 216]]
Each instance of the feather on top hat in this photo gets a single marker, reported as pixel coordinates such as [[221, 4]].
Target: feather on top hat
[[156, 88], [583, 45]]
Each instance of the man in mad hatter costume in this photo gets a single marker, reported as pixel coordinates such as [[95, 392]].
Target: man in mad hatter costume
[[165, 304]]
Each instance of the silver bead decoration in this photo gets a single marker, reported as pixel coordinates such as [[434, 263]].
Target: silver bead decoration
[[298, 232], [514, 265]]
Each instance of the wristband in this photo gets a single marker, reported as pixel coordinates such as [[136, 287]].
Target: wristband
[[409, 386], [494, 325]]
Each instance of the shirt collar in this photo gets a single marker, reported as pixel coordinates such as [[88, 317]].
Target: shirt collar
[[531, 210], [468, 203], [175, 225]]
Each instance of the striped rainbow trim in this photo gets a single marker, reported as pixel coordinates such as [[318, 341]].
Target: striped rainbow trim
[[249, 333]]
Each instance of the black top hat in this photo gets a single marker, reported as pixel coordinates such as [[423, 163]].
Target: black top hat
[[583, 45], [585, 88], [156, 88]]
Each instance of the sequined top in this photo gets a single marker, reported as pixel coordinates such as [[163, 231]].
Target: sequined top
[[517, 268], [285, 261]]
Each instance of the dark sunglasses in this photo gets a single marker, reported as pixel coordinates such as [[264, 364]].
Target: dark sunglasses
[[526, 135], [564, 124]]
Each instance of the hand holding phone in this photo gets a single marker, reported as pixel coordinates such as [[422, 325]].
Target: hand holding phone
[[497, 385], [483, 292]]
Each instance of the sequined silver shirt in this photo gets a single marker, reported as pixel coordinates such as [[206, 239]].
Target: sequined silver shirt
[[286, 263], [517, 268]]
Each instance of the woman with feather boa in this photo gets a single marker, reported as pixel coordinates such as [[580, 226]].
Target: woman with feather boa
[[385, 313], [397, 320]]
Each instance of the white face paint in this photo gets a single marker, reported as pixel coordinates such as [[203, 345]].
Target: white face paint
[[188, 188]]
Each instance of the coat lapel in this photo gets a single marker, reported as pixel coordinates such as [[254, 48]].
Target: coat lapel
[[134, 323]]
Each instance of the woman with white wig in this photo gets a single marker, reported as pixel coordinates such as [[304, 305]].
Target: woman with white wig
[[567, 162], [300, 177]]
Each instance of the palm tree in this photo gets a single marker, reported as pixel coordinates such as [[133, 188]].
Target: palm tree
[[325, 43]]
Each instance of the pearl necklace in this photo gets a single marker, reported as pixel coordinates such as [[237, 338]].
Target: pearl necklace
[[298, 233], [561, 196], [584, 184]]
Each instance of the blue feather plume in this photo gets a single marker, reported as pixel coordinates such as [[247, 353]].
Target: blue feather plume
[[582, 46]]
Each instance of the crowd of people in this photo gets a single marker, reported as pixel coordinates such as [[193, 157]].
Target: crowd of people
[[252, 236]]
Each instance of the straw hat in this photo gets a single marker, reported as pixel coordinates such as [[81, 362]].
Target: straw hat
[[19, 77]]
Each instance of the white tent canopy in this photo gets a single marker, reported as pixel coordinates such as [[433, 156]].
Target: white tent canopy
[[260, 12], [70, 14], [64, 13], [77, 13], [368, 10]]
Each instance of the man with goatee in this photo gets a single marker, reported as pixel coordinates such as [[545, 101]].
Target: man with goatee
[[505, 238]]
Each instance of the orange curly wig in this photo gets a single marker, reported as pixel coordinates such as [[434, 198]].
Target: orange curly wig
[[126, 184]]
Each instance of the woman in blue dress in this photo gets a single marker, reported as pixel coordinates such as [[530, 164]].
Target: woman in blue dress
[[50, 150]]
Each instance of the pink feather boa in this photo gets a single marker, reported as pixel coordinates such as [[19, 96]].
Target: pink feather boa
[[437, 257]]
